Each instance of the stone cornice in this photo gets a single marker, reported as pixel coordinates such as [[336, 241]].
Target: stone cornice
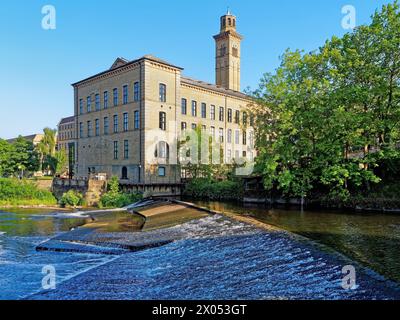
[[226, 34]]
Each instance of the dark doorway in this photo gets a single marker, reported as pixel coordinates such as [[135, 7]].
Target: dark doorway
[[124, 175]]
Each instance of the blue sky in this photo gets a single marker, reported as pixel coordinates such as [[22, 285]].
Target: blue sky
[[38, 66]]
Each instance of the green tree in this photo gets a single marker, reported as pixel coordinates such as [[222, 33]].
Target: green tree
[[57, 164], [5, 158], [47, 148], [326, 119]]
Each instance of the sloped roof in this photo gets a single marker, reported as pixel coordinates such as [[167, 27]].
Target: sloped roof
[[214, 87], [33, 138], [121, 62], [67, 120]]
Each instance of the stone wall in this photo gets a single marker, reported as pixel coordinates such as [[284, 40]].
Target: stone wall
[[91, 189]]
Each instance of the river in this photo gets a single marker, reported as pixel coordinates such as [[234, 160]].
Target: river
[[373, 239], [212, 257]]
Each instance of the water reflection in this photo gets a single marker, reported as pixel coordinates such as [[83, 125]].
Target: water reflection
[[35, 222], [372, 239]]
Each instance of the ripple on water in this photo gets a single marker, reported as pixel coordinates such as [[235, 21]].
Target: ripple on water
[[216, 258]]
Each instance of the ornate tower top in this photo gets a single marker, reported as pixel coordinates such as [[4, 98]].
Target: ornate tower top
[[228, 22]]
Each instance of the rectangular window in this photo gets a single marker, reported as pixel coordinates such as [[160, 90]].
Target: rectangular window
[[125, 94], [194, 126], [237, 155], [163, 92], [212, 113], [136, 92], [136, 120], [97, 101], [183, 126], [244, 119], [89, 104], [80, 106], [221, 135], [126, 125], [89, 128], [237, 137], [229, 138], [244, 138], [221, 113], [184, 106], [115, 96], [105, 98], [80, 130], [229, 155], [212, 132], [106, 125], [126, 149], [115, 150], [115, 123], [230, 115], [194, 108], [237, 115], [203, 110], [161, 171], [97, 127], [251, 120], [163, 121]]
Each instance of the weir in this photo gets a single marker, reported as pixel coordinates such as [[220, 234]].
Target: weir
[[136, 228]]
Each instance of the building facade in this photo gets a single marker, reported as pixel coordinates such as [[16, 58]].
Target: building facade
[[130, 119], [66, 141]]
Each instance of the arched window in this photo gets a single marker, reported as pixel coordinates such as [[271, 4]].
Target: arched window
[[124, 173], [162, 150], [229, 22], [234, 22], [163, 121]]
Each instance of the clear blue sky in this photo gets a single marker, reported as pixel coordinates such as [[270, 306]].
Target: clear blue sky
[[38, 66]]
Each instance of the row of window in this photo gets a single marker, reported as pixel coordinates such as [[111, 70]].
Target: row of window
[[221, 133], [237, 155], [106, 125], [115, 99], [116, 149], [163, 124], [221, 113], [66, 126], [66, 135]]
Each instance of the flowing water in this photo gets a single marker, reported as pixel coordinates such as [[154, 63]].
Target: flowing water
[[372, 239], [21, 230], [205, 257]]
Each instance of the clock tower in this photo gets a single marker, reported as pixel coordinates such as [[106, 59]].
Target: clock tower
[[227, 56]]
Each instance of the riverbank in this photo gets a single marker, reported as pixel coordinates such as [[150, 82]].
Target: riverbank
[[15, 192], [40, 206]]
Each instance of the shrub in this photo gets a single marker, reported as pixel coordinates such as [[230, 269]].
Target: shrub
[[114, 198], [23, 192], [71, 198], [118, 200], [214, 190]]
